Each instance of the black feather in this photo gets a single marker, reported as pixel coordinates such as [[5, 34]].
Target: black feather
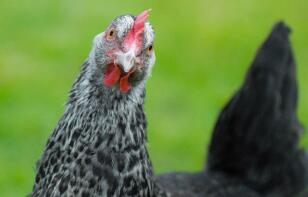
[[254, 149]]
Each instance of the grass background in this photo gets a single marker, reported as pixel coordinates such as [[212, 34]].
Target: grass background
[[203, 50]]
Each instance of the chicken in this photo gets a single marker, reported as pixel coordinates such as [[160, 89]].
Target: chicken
[[256, 137], [99, 147], [254, 148]]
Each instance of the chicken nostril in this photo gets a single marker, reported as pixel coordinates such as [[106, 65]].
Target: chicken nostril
[[129, 58]]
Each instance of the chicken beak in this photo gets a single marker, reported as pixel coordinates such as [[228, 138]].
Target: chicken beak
[[126, 60]]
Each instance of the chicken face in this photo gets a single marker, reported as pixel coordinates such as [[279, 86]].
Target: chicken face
[[124, 52]]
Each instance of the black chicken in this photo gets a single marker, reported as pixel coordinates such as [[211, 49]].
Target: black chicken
[[254, 149]]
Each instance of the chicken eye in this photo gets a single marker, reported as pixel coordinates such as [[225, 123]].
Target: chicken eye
[[150, 49], [111, 34]]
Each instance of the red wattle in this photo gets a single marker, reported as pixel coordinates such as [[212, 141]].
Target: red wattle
[[124, 84], [112, 75]]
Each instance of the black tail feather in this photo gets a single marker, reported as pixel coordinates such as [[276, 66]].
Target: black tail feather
[[256, 136]]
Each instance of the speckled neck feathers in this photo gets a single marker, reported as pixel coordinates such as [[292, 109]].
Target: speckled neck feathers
[[98, 147]]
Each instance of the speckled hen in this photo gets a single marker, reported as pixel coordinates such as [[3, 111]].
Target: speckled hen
[[99, 147]]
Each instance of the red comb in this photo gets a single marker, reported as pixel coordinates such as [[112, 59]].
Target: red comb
[[135, 35], [140, 21]]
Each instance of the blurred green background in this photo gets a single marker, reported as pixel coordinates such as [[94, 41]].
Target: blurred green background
[[203, 50]]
